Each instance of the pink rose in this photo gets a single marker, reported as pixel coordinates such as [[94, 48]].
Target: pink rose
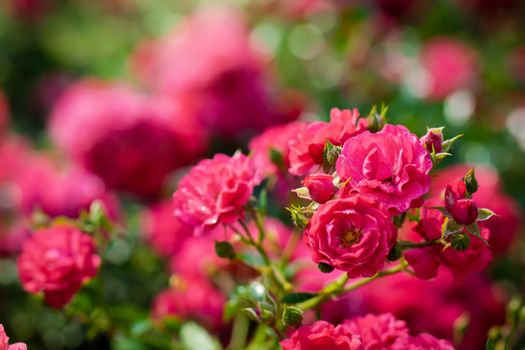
[[377, 331], [322, 335], [504, 226], [425, 261], [320, 187], [163, 230], [306, 149], [439, 303], [353, 234], [390, 166], [131, 141], [215, 191], [191, 299], [422, 341], [450, 66], [43, 185], [4, 342], [57, 261]]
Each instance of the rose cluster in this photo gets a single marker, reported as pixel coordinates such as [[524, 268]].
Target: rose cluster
[[368, 332]]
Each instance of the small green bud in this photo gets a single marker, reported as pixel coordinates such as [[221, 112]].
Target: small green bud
[[330, 155], [460, 241], [470, 182], [292, 316]]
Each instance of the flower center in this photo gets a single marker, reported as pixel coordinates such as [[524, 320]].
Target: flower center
[[351, 237]]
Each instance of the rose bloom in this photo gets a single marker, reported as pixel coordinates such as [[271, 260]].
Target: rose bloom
[[353, 234], [390, 166], [163, 230], [4, 342], [504, 226], [306, 149], [421, 342], [426, 261], [215, 191], [450, 66], [434, 306], [129, 140], [322, 335], [377, 331], [191, 299], [226, 83], [57, 261]]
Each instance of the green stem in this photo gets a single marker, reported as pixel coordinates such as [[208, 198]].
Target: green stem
[[338, 288], [239, 333]]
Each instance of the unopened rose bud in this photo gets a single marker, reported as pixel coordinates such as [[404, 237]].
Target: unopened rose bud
[[464, 211], [471, 183], [454, 192], [433, 140], [320, 187], [292, 316]]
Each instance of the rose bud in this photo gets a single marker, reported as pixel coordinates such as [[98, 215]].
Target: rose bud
[[454, 192], [433, 140], [320, 187], [464, 211]]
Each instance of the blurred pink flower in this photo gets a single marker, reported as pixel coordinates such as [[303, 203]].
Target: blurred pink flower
[[215, 191], [131, 141], [421, 342], [450, 64], [433, 306], [4, 342], [504, 226], [191, 299], [306, 148], [353, 234], [273, 140], [4, 114], [225, 82], [57, 261], [29, 10], [390, 166], [164, 231]]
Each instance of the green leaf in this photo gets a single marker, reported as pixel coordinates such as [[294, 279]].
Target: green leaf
[[224, 250], [490, 345], [277, 158], [296, 298], [450, 227], [474, 229], [447, 144], [485, 214], [193, 336], [460, 241]]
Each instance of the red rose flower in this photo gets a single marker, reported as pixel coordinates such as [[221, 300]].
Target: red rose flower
[[353, 234]]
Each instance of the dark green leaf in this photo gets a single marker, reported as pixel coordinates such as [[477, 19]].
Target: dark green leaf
[[295, 298]]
